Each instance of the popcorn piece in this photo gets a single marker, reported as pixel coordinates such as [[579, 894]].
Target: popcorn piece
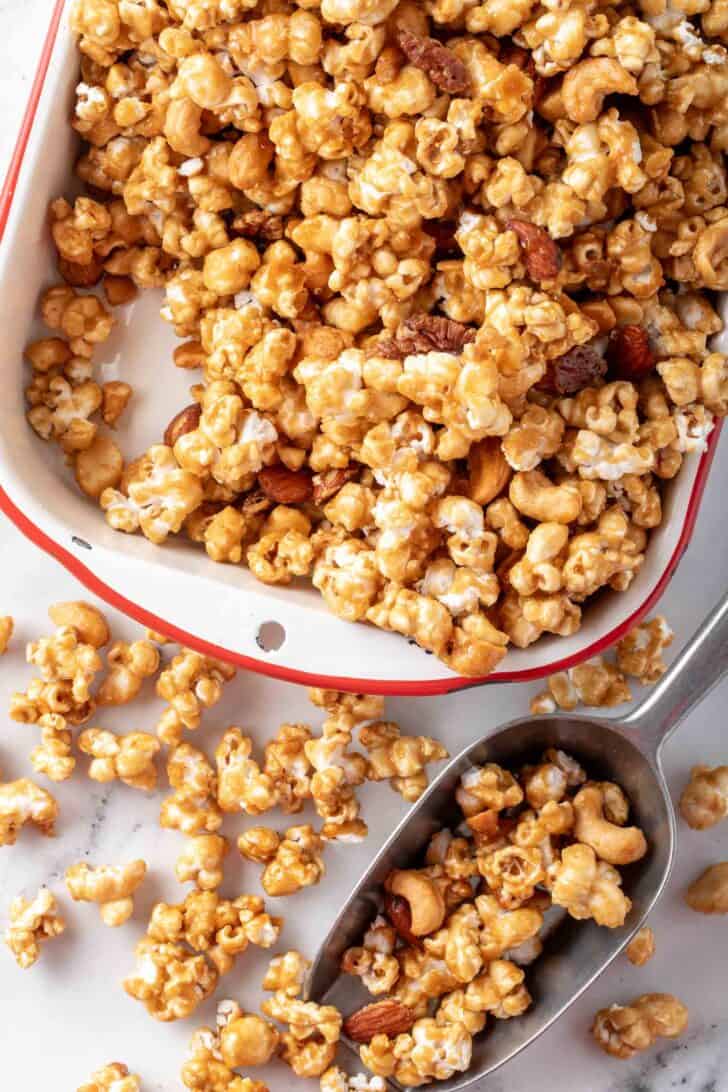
[[245, 1038], [130, 757], [170, 980], [24, 802], [594, 683], [625, 1030], [6, 632], [192, 806], [112, 1078], [399, 759], [69, 663], [704, 800], [296, 862], [129, 665], [359, 706], [487, 787], [242, 786], [53, 754], [589, 888], [204, 1067], [309, 1045], [640, 652], [336, 1080], [32, 922], [158, 496], [641, 947], [111, 886], [190, 683], [201, 861]]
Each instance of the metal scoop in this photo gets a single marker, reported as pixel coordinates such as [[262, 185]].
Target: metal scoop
[[627, 751]]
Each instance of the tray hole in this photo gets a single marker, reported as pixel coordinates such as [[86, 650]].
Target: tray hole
[[80, 542], [270, 636]]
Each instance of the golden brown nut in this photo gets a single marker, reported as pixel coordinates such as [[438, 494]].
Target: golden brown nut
[[427, 906], [87, 620], [641, 947], [708, 894]]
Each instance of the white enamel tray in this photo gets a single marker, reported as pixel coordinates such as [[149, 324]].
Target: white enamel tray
[[217, 609]]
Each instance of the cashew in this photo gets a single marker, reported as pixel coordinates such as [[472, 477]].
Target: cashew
[[710, 255], [613, 844], [587, 84], [89, 623], [426, 903], [534, 495], [182, 128]]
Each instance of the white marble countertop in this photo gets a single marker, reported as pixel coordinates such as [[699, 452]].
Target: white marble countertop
[[69, 1015]]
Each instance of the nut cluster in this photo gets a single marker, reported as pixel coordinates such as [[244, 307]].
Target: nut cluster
[[444, 271]]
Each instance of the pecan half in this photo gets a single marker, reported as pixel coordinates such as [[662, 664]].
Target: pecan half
[[444, 68], [541, 254], [443, 232], [581, 367], [425, 334], [183, 422], [329, 482], [259, 224], [387, 1017], [629, 354], [286, 486]]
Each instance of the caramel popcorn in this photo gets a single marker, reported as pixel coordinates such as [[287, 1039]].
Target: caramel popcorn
[[130, 757], [111, 886], [112, 1078], [294, 863], [190, 683], [24, 802], [399, 759], [704, 800], [625, 1030], [68, 667], [641, 947], [53, 755], [595, 683], [640, 652], [6, 632], [309, 1045], [201, 861], [358, 224], [32, 922], [129, 665], [192, 806]]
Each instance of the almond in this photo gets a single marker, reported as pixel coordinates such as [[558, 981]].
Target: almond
[[388, 1017], [327, 484], [185, 421], [489, 472], [399, 914], [541, 254], [286, 486]]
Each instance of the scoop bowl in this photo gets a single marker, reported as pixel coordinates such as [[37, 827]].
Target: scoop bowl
[[626, 751]]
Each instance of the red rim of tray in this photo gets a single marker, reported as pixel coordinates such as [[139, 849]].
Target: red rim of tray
[[152, 621]]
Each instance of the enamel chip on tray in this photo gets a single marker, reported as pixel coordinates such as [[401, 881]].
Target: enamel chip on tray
[[445, 294]]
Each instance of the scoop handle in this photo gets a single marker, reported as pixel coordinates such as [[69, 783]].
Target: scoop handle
[[699, 667]]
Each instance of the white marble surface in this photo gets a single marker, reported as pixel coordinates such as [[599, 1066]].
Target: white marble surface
[[69, 1015]]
